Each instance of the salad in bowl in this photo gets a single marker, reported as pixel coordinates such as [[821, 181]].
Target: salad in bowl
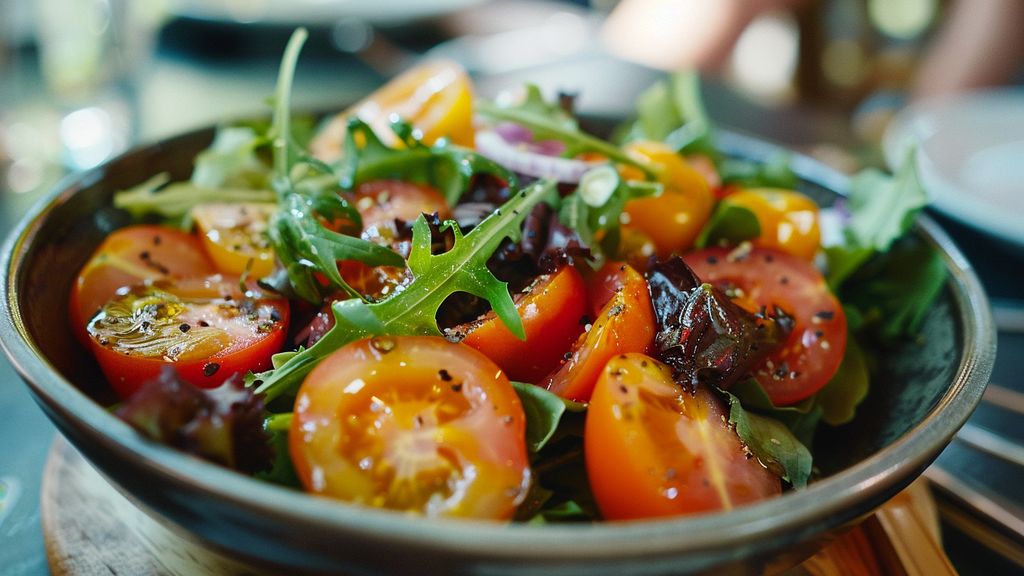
[[431, 306]]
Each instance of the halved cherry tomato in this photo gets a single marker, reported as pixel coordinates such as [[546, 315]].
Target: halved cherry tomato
[[765, 278], [383, 205], [554, 311], [653, 449], [412, 423], [788, 219], [435, 97], [673, 219], [130, 256], [206, 328], [235, 235], [382, 202], [625, 324]]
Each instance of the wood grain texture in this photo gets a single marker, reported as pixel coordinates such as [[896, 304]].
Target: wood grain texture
[[91, 529]]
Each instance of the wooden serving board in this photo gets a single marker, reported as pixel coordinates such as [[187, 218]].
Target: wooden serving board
[[91, 529]]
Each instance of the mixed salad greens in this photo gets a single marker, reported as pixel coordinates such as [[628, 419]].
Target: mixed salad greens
[[476, 308]]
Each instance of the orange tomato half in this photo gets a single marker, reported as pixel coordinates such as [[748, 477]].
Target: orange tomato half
[[788, 219], [653, 449], [235, 235], [413, 423], [435, 97]]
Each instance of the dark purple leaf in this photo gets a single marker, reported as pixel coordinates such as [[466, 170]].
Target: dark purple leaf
[[702, 334]]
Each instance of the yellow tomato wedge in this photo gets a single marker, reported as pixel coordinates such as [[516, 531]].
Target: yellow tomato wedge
[[435, 97], [235, 234]]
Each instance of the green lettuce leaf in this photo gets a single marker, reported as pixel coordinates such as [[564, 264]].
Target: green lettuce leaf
[[772, 442], [544, 412], [845, 391]]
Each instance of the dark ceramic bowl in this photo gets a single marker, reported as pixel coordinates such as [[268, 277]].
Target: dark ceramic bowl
[[924, 392]]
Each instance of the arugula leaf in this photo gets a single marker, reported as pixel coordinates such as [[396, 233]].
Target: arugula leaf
[[548, 122], [301, 241], [544, 412], [436, 277], [772, 442], [730, 224], [231, 160], [448, 167], [882, 209]]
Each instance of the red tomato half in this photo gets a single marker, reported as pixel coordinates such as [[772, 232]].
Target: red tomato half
[[625, 324], [412, 423], [552, 310], [205, 328], [652, 449], [762, 277], [381, 202], [130, 256]]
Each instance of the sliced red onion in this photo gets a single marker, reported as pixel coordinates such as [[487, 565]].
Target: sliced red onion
[[517, 134], [529, 162]]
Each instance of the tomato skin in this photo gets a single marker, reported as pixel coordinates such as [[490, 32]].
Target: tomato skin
[[130, 256], [231, 341], [413, 423], [626, 323], [673, 219], [235, 234], [436, 97], [812, 353], [653, 450], [788, 219], [551, 312]]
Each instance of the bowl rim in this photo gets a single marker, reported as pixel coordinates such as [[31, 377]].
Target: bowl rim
[[826, 503]]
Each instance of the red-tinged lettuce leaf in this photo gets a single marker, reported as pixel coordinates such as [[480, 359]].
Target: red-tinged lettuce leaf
[[702, 334], [223, 425]]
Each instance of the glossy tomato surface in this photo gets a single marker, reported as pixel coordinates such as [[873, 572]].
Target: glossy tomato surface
[[435, 97], [625, 323], [553, 311], [205, 328], [653, 449], [413, 423], [129, 256], [760, 277], [788, 219], [673, 219], [235, 237]]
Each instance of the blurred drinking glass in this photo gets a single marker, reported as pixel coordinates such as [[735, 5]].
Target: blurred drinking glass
[[90, 55]]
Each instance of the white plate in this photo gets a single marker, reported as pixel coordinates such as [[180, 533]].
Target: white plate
[[970, 157], [314, 12]]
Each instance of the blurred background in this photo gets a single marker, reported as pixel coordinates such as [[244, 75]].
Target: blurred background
[[83, 80]]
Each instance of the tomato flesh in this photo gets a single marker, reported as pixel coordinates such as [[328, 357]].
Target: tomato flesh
[[235, 237], [412, 423], [130, 256], [625, 324], [653, 449], [762, 277], [204, 328], [551, 311]]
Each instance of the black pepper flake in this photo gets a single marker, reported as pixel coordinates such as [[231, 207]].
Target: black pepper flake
[[210, 369], [784, 280], [275, 315], [643, 363], [584, 320], [769, 258], [623, 389], [444, 375], [157, 240], [622, 356], [204, 324], [826, 315], [567, 356], [184, 327], [712, 260], [457, 387], [819, 334]]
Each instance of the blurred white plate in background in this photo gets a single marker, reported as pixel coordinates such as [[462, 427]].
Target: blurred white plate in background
[[316, 12], [970, 157]]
